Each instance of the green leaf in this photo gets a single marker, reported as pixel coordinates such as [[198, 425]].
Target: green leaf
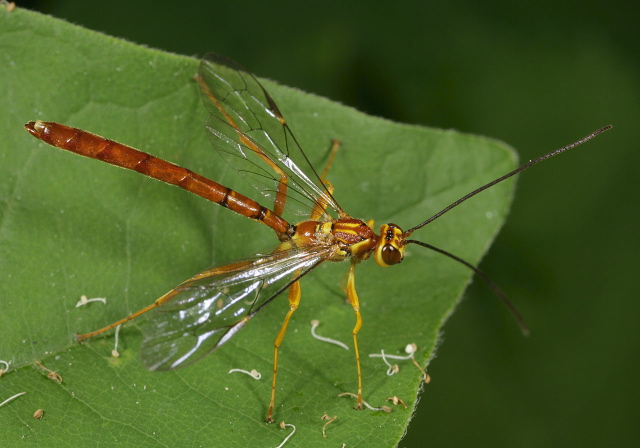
[[70, 226]]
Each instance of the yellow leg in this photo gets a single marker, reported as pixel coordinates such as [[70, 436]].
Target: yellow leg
[[320, 207], [294, 289], [294, 301], [167, 297], [335, 145], [352, 295], [162, 300]]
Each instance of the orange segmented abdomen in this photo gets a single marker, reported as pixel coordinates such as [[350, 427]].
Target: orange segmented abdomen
[[96, 147]]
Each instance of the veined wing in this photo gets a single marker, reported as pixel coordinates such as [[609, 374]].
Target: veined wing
[[248, 131], [210, 308]]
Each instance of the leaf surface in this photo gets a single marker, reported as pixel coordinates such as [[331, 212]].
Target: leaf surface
[[70, 226]]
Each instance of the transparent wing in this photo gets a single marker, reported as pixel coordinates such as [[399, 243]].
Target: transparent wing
[[248, 131], [207, 310]]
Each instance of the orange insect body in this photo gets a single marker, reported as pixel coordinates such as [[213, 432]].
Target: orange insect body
[[248, 130], [96, 147]]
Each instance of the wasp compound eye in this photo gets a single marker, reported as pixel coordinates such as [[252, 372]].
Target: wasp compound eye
[[391, 255]]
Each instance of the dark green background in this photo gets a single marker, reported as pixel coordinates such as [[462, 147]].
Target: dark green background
[[536, 75]]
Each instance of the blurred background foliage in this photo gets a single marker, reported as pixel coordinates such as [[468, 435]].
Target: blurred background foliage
[[536, 75]]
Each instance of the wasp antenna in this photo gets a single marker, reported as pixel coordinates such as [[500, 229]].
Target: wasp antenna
[[508, 175], [495, 288]]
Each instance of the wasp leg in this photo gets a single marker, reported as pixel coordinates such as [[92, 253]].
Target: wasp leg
[[294, 301], [352, 295], [320, 206]]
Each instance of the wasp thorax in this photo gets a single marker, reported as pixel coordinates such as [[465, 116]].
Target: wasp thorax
[[390, 249]]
